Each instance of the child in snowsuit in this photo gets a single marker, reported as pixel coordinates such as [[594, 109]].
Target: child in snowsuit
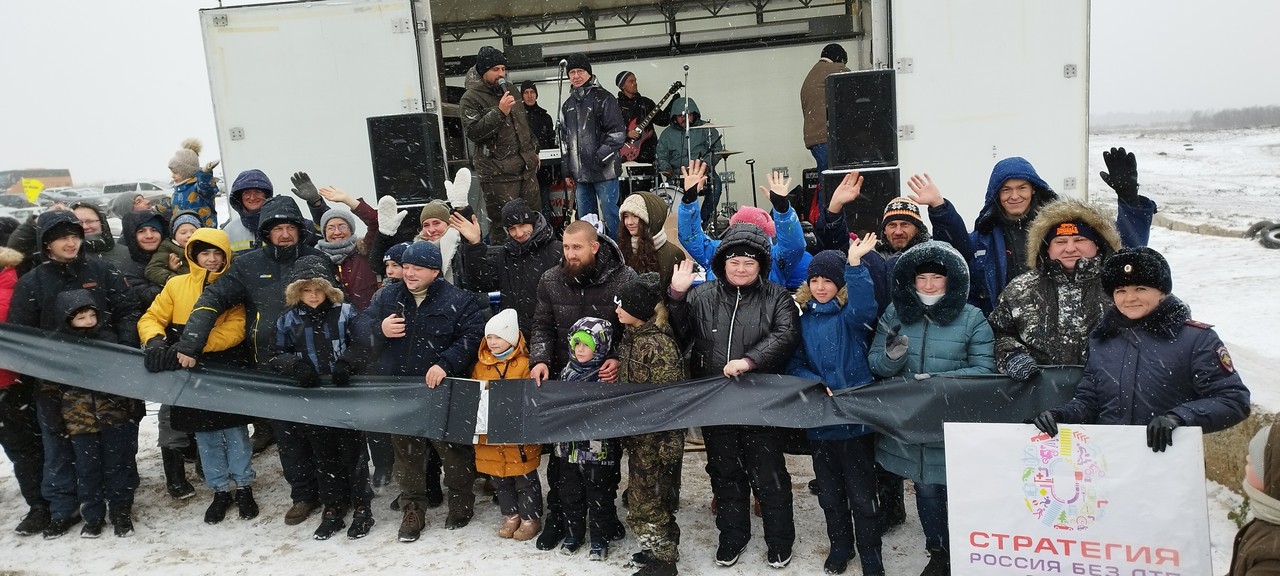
[[194, 189], [170, 259], [839, 306], [313, 337], [589, 469], [513, 469], [649, 354], [103, 429]]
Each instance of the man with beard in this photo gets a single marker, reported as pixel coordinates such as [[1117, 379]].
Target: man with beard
[[583, 285], [592, 134]]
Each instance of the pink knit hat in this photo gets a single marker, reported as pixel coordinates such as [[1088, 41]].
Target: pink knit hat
[[753, 215]]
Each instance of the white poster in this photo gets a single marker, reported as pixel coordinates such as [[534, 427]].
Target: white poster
[[1092, 501]]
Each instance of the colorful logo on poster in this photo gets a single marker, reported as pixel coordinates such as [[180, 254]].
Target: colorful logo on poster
[[1060, 480]]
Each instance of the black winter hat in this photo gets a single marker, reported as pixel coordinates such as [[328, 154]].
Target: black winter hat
[[640, 297], [309, 267], [517, 211], [835, 53], [931, 268], [528, 85], [578, 60], [1137, 267], [621, 77], [829, 264], [56, 224], [488, 57]]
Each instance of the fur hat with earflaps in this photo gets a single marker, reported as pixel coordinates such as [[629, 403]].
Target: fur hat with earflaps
[[1140, 266]]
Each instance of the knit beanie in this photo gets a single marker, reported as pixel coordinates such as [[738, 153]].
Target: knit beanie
[[488, 57], [396, 253], [641, 296], [517, 211], [578, 60], [342, 213], [152, 221], [902, 209], [829, 264], [747, 251], [757, 216], [1136, 267], [835, 53], [1258, 451], [422, 254], [1073, 228], [186, 161], [621, 77], [505, 326], [582, 337], [931, 268], [529, 85], [434, 209], [634, 204], [183, 218]]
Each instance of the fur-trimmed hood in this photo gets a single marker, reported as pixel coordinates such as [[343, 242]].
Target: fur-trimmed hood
[[293, 292], [903, 291], [1015, 167], [1164, 322], [9, 257], [804, 295], [1067, 210]]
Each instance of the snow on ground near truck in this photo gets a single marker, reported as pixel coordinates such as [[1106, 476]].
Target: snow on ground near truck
[[1227, 178]]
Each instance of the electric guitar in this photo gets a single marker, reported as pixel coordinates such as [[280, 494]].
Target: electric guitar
[[631, 150]]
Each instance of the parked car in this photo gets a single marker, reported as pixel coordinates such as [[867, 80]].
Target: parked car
[[147, 189], [21, 214], [70, 196], [14, 201]]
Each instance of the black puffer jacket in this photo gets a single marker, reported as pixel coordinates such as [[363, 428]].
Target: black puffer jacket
[[592, 133], [505, 148], [513, 269], [36, 291], [561, 303], [134, 266], [257, 279], [759, 322]]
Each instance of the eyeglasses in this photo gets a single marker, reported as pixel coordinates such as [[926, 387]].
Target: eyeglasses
[[88, 222], [337, 228]]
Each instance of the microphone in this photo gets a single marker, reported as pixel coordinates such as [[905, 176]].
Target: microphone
[[502, 83], [564, 62], [686, 67]]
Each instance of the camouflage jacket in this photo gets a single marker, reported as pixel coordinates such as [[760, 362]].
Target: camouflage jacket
[[1048, 313], [88, 412], [649, 354]]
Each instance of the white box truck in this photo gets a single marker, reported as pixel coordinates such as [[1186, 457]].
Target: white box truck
[[293, 83]]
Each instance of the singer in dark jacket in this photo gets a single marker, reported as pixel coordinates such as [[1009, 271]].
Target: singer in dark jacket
[[504, 148]]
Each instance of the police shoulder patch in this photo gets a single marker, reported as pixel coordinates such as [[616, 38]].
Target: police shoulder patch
[[1224, 358], [1198, 324]]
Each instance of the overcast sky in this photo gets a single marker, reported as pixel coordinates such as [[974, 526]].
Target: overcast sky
[[109, 89]]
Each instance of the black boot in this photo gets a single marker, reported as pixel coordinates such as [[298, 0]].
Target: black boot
[[121, 520], [893, 510], [217, 510], [34, 522], [939, 563], [245, 504], [175, 474]]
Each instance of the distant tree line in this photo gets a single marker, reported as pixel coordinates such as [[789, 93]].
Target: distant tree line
[[1251, 117]]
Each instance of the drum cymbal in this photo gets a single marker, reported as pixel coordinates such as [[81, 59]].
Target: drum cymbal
[[710, 126], [636, 165], [726, 153]]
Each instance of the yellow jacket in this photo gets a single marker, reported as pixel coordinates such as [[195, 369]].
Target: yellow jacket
[[504, 460], [178, 298]]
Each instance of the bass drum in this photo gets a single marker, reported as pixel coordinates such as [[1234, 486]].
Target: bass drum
[[668, 193]]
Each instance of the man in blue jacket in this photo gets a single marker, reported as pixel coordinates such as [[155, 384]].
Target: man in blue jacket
[[782, 226], [1015, 193], [426, 327]]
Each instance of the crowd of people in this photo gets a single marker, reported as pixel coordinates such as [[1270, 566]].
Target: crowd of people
[[1036, 281]]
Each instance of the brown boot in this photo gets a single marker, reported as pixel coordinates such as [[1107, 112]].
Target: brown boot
[[528, 529], [412, 524], [509, 526], [299, 512]]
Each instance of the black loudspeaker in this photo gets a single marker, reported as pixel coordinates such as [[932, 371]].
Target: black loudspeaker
[[408, 163], [862, 119], [878, 188]]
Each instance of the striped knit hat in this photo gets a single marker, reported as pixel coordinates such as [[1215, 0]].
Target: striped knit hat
[[902, 209]]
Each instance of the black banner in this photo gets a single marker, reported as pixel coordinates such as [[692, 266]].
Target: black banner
[[520, 412]]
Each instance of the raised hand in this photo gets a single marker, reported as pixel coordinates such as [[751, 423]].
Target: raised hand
[[924, 191], [469, 229], [682, 276], [693, 176], [335, 194], [779, 185], [506, 103], [848, 191], [861, 247], [388, 218], [209, 166], [1121, 174], [304, 188]]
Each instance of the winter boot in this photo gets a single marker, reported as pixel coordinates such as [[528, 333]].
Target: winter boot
[[939, 563], [217, 510], [457, 519], [330, 522], [34, 522], [411, 524], [121, 521], [299, 512], [889, 492], [245, 504], [657, 568], [527, 530], [92, 529], [509, 526], [58, 527], [642, 557], [570, 546], [175, 474], [552, 533], [361, 522], [599, 550]]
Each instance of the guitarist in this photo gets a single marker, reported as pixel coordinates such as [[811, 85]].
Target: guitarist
[[634, 108]]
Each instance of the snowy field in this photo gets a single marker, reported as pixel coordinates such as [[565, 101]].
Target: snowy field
[[1228, 178]]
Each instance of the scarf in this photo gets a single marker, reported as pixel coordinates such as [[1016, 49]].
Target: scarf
[[1264, 507], [658, 240], [338, 251], [505, 354]]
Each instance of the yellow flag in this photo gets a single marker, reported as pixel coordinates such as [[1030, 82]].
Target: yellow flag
[[33, 188]]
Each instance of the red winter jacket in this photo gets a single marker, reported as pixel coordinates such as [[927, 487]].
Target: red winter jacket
[[9, 258]]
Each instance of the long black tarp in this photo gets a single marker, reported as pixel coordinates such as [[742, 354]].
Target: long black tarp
[[521, 412]]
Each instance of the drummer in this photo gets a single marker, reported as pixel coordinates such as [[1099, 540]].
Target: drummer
[[702, 144]]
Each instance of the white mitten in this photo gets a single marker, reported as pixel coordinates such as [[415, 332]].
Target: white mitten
[[388, 218], [456, 192]]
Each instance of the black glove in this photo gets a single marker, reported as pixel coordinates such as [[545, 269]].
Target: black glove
[[306, 375], [1021, 366], [1121, 174], [690, 193], [895, 345], [1160, 432], [304, 189], [342, 373], [155, 352], [780, 203], [1047, 422]]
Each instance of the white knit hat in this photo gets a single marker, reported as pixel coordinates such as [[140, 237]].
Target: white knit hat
[[1258, 451], [505, 326], [634, 204]]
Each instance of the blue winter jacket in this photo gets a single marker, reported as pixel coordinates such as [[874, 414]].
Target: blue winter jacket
[[197, 194], [1165, 363], [951, 337], [790, 260], [445, 329], [985, 248], [833, 346], [318, 336]]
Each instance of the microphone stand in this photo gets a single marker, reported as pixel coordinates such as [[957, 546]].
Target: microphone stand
[[569, 200], [688, 145]]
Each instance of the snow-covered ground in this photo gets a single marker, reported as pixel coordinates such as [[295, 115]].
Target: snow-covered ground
[[1228, 178]]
